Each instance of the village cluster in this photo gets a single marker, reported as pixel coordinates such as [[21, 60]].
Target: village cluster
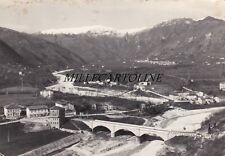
[[55, 115], [194, 97], [62, 108]]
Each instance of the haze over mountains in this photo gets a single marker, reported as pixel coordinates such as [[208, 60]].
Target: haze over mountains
[[94, 30], [180, 40]]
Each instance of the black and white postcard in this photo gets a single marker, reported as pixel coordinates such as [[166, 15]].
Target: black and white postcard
[[112, 77]]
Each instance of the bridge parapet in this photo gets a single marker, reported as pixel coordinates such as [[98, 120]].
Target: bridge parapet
[[137, 129]]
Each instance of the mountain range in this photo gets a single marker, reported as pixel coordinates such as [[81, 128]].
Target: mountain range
[[26, 49], [93, 30], [35, 57], [179, 40]]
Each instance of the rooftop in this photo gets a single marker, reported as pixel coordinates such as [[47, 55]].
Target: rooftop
[[56, 108], [13, 106], [62, 102], [38, 107]]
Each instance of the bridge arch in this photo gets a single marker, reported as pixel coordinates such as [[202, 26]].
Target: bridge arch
[[149, 137], [124, 132], [101, 128]]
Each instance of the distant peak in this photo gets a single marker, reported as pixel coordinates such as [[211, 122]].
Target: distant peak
[[176, 21], [95, 29], [210, 18]]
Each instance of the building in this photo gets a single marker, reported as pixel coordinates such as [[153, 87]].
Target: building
[[104, 107], [36, 111], [222, 86], [65, 104], [142, 85], [46, 93], [110, 83], [56, 116], [12, 111], [183, 94], [142, 106], [94, 107]]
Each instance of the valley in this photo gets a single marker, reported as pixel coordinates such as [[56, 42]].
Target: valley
[[180, 112]]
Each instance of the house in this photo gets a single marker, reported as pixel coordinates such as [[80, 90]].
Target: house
[[46, 93], [94, 107], [183, 94], [37, 111], [12, 111], [104, 107], [191, 97], [142, 85], [108, 82], [65, 104], [142, 106], [222, 86], [56, 117], [200, 94]]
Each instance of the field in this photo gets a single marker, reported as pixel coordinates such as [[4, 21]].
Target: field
[[22, 99], [121, 104], [39, 77], [19, 90], [75, 125], [14, 141], [206, 78]]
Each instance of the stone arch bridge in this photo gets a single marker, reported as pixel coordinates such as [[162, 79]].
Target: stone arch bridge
[[137, 130]]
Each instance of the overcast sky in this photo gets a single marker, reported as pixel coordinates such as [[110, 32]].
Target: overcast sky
[[38, 15]]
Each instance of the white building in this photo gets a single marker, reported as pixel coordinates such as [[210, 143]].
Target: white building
[[104, 107], [12, 111], [222, 86], [65, 104], [37, 111], [46, 93], [56, 116], [142, 85]]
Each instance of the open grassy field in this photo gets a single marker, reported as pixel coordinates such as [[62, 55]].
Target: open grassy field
[[23, 99], [14, 141], [121, 104], [206, 78], [19, 90]]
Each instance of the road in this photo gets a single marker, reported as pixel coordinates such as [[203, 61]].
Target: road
[[68, 87], [107, 113], [9, 122]]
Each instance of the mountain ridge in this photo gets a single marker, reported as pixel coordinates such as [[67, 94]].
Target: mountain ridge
[[178, 39], [92, 30], [183, 41], [35, 57]]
